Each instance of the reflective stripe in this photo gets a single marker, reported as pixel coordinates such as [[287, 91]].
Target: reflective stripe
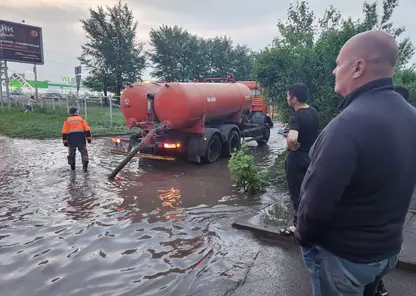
[[76, 125]]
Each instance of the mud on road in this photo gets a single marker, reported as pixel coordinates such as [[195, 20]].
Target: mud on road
[[160, 228]]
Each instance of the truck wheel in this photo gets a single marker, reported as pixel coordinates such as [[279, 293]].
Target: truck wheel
[[233, 142], [269, 121], [213, 152], [266, 135]]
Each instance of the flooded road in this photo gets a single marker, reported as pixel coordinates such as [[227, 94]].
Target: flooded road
[[160, 228]]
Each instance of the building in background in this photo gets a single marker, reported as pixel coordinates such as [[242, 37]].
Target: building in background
[[25, 82]]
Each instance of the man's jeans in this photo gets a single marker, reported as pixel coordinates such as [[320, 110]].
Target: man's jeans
[[334, 276]]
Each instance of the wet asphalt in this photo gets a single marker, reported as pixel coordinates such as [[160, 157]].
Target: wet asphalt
[[279, 270]]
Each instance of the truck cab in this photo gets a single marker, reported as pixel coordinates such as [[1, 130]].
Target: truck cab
[[259, 101]]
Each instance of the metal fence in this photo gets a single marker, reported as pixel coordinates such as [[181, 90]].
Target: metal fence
[[91, 107]]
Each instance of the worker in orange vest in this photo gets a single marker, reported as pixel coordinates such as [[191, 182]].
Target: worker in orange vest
[[74, 133]]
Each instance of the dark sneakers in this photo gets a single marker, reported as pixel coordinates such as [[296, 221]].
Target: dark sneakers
[[381, 290], [85, 165]]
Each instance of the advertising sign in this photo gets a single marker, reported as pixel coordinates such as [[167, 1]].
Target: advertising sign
[[21, 43], [68, 80]]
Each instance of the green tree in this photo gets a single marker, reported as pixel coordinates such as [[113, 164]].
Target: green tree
[[176, 54], [98, 82], [220, 56], [307, 49], [226, 59], [111, 48], [407, 77], [242, 63]]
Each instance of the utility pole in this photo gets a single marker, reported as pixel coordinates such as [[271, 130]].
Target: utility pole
[[1, 85], [4, 77], [36, 86], [78, 72]]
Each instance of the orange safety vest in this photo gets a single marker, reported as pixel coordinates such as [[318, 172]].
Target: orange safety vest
[[76, 129]]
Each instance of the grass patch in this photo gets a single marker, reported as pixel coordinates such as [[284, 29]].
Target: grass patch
[[45, 122]]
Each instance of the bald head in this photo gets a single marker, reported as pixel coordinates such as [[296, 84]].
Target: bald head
[[377, 48], [363, 58]]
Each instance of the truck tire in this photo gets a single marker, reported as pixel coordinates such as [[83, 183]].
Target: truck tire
[[266, 135], [213, 152], [269, 121], [233, 142]]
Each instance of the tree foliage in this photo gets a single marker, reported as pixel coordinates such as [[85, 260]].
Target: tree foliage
[[111, 51], [306, 50], [178, 55]]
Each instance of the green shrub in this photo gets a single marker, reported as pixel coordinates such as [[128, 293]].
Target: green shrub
[[248, 177]]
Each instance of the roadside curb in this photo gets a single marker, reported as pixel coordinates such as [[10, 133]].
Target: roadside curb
[[263, 232], [406, 261]]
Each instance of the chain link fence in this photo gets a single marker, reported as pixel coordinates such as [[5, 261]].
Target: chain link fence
[[96, 109]]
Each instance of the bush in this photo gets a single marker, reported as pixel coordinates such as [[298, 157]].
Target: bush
[[248, 177]]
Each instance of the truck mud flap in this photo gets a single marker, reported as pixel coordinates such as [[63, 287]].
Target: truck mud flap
[[193, 149]]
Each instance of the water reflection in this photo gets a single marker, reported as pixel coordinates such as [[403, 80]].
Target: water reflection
[[170, 200], [81, 197], [160, 228]]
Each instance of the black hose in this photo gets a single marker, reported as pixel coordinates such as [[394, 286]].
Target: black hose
[[133, 152]]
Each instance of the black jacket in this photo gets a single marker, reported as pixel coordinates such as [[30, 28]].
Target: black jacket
[[358, 187]]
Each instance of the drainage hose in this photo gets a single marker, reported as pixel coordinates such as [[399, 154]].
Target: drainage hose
[[133, 152]]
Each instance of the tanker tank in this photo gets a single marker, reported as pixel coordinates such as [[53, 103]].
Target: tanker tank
[[185, 104], [221, 112], [133, 101]]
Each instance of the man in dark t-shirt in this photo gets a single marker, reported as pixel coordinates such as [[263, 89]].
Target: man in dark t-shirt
[[303, 131]]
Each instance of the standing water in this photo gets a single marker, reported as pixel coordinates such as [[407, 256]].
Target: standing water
[[160, 228]]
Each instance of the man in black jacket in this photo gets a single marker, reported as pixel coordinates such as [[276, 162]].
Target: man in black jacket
[[358, 187], [381, 289]]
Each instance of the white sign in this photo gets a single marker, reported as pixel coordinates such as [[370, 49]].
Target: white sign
[[6, 31]]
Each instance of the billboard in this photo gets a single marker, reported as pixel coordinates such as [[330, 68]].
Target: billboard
[[21, 43]]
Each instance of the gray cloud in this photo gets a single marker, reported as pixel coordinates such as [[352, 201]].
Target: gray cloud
[[246, 22]]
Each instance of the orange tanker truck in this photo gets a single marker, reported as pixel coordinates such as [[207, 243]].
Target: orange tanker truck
[[258, 103], [198, 122], [133, 101]]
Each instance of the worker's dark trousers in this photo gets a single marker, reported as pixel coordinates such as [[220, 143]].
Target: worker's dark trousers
[[297, 163], [82, 148]]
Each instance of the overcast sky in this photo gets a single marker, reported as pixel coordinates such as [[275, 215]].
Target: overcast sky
[[246, 22]]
